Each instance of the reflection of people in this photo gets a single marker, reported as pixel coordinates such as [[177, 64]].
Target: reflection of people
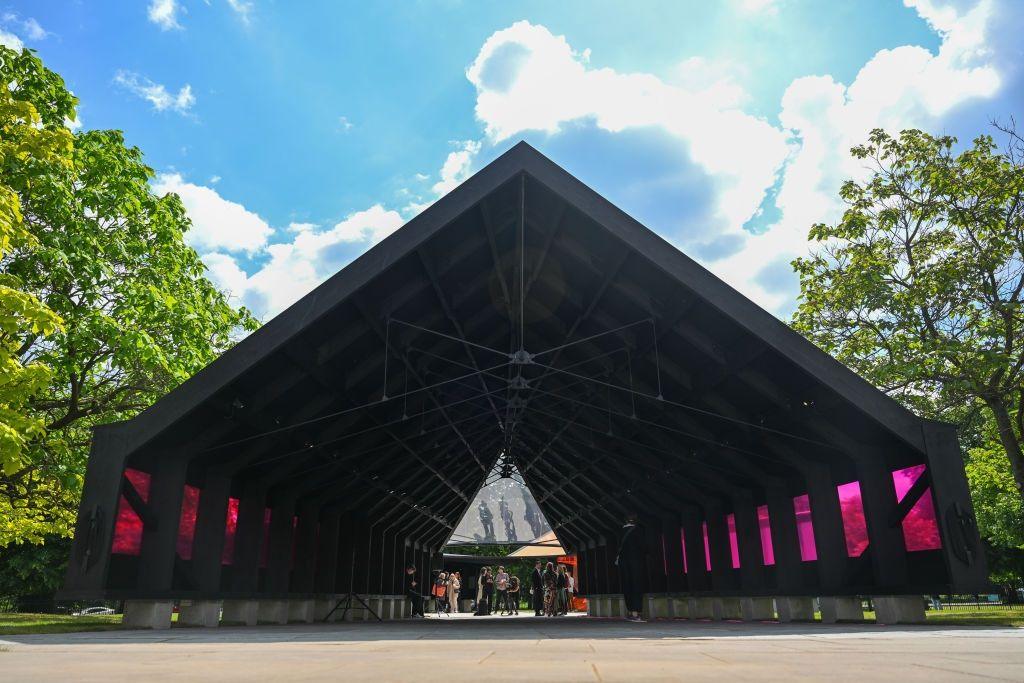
[[630, 562], [532, 514], [486, 520], [506, 517], [412, 591]]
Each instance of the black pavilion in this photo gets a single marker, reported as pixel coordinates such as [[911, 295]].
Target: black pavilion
[[523, 322]]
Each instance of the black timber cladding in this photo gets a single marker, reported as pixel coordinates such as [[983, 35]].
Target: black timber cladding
[[375, 454]]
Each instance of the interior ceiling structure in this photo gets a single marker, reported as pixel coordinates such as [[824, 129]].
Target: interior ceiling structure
[[524, 329], [523, 322]]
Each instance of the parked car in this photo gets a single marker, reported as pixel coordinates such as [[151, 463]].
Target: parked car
[[93, 611]]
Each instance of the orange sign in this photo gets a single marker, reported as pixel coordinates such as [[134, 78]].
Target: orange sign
[[567, 559]]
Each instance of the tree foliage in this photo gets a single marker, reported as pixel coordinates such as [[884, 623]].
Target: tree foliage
[[108, 257], [919, 286]]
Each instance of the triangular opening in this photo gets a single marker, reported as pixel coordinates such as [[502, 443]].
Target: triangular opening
[[504, 512]]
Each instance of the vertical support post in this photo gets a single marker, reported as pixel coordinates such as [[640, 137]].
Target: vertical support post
[[785, 544], [886, 546], [827, 518], [748, 537], [211, 519], [676, 580], [327, 553], [279, 555], [722, 575], [697, 577], [305, 549], [160, 533], [249, 538]]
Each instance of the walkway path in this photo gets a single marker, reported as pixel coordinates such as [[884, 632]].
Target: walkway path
[[464, 648]]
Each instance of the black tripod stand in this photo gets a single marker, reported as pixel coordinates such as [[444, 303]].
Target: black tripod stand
[[347, 601]]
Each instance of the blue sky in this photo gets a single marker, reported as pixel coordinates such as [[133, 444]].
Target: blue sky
[[300, 133]]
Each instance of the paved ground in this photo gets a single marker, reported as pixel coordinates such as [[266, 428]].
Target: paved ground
[[524, 648]]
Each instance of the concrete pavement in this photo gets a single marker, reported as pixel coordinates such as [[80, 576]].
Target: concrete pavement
[[574, 648]]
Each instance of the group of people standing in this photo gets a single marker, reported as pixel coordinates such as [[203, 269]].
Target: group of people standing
[[497, 591], [447, 587], [552, 590]]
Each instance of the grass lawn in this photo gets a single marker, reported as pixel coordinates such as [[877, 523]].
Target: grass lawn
[[993, 616], [14, 624]]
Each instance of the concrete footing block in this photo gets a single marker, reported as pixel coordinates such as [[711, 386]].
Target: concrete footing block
[[725, 608], [273, 611], [204, 613], [700, 608], [657, 607], [301, 611], [322, 607], [794, 609], [245, 612], [899, 609], [618, 606], [680, 608], [154, 614], [835, 609], [757, 609]]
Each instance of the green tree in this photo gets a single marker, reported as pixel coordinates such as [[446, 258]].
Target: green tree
[[918, 287], [109, 258], [24, 145]]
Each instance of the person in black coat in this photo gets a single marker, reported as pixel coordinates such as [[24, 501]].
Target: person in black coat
[[631, 562], [537, 590], [412, 591]]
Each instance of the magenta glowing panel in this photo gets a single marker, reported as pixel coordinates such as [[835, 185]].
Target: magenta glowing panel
[[920, 528], [682, 544], [128, 527], [805, 528], [707, 546], [855, 527], [187, 522], [764, 524], [734, 545], [230, 526]]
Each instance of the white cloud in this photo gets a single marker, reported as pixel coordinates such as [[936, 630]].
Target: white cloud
[[214, 179], [8, 39], [33, 30], [164, 13], [242, 8], [156, 93], [528, 79], [217, 223], [287, 270], [344, 123], [456, 167]]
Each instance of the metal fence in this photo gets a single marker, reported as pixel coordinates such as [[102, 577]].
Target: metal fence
[[972, 603]]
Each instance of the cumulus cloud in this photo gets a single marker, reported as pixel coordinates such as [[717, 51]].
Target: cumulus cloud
[[156, 93], [528, 79], [783, 177], [14, 30], [8, 39], [164, 13], [289, 270], [217, 223]]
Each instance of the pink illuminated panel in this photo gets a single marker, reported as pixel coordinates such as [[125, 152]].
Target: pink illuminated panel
[[734, 546], [920, 529], [128, 527], [187, 522], [230, 526], [805, 528], [855, 527], [707, 547], [764, 523], [682, 543]]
